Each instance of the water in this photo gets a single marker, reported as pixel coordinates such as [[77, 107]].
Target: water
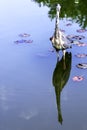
[[29, 98]]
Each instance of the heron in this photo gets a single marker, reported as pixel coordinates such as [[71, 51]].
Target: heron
[[59, 40]]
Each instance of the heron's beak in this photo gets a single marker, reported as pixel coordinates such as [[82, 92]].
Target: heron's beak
[[51, 38]]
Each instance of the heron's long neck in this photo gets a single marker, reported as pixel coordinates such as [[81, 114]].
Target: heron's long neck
[[57, 19], [57, 25]]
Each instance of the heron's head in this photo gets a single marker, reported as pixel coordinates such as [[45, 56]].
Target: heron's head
[[58, 7]]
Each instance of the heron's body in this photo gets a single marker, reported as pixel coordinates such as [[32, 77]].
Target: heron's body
[[59, 40]]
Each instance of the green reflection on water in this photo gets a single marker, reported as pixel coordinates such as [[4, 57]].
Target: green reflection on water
[[60, 77], [75, 9]]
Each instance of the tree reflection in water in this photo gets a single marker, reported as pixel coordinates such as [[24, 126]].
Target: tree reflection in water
[[60, 77], [74, 9]]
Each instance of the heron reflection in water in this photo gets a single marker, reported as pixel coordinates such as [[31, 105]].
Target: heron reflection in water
[[60, 77]]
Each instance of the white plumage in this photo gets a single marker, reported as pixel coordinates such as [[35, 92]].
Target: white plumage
[[59, 40]]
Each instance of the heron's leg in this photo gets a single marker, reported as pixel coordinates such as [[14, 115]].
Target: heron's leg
[[64, 53], [57, 52], [64, 64]]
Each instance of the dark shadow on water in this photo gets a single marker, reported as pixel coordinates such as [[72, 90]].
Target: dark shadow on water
[[60, 78]]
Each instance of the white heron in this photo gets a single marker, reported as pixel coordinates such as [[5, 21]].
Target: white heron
[[59, 40]]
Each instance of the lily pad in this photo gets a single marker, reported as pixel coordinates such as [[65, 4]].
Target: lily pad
[[69, 19], [78, 78], [23, 41], [62, 30], [81, 44], [81, 55], [28, 41], [75, 37], [20, 41], [68, 24], [82, 65], [81, 30], [24, 35]]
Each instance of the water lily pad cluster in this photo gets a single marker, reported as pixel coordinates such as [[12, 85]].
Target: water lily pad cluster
[[80, 55], [77, 40], [24, 39], [83, 55]]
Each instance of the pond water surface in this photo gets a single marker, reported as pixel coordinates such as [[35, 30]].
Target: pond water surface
[[36, 92]]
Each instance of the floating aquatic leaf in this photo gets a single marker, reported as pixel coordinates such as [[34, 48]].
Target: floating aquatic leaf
[[82, 65], [68, 24], [75, 37], [28, 41], [24, 35], [69, 19], [78, 43], [20, 41], [81, 30], [23, 41], [81, 55], [81, 44], [78, 78], [62, 30]]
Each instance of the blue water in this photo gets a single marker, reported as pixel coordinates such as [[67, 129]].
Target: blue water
[[27, 94]]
